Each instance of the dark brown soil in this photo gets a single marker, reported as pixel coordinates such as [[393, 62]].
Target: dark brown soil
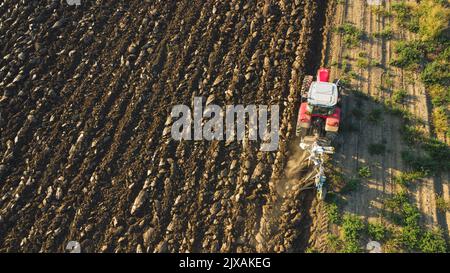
[[86, 96]]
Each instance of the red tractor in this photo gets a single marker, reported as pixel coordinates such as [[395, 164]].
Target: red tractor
[[319, 114]]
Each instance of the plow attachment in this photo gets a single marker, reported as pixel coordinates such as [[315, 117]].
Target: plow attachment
[[316, 148]]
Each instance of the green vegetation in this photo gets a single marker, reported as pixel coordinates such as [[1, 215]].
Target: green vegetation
[[351, 185], [429, 53], [311, 250], [351, 34], [420, 163], [410, 54], [399, 96], [353, 75], [404, 234], [404, 14], [334, 243], [411, 236], [364, 61], [333, 212], [375, 116], [345, 66], [406, 179], [411, 135], [393, 245], [352, 227], [436, 159], [386, 33], [437, 154], [433, 17], [376, 231], [364, 172], [433, 242], [440, 121], [407, 216], [394, 206], [441, 204], [440, 95], [437, 72], [381, 11]]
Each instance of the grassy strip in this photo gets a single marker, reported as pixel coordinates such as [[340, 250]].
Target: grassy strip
[[429, 54], [406, 235]]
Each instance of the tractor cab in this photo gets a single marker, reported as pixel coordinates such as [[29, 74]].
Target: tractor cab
[[322, 98], [319, 113]]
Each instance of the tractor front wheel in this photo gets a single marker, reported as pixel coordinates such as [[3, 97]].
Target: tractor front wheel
[[307, 80]]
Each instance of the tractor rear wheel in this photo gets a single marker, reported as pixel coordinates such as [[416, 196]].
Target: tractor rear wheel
[[307, 80]]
